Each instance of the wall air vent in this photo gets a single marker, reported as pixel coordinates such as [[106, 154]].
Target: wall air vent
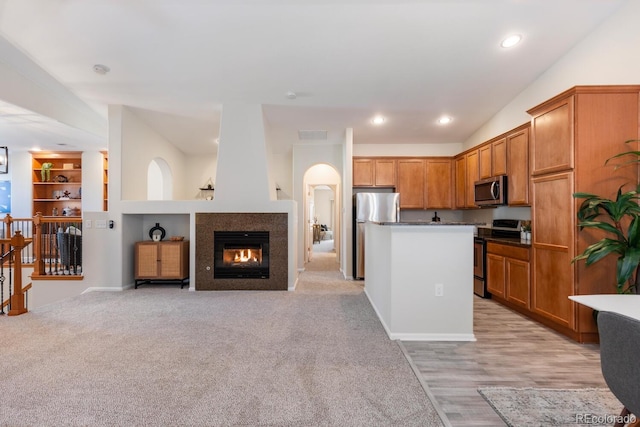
[[312, 135]]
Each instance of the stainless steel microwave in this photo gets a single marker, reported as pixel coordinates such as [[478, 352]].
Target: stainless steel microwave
[[491, 191]]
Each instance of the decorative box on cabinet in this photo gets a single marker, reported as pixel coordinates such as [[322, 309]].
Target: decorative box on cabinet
[[162, 262], [571, 137]]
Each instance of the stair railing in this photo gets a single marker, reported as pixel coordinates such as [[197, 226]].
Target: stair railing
[[16, 302]]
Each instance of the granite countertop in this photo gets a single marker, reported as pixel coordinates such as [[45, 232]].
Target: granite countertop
[[513, 241], [424, 223]]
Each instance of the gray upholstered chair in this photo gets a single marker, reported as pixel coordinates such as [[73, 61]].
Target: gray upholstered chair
[[619, 350], [70, 247]]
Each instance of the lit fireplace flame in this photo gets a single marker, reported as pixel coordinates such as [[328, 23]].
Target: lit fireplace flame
[[241, 257]]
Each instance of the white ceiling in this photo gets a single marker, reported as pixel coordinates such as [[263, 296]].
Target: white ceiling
[[178, 61]]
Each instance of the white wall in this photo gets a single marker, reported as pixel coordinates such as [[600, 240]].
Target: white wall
[[322, 199], [306, 156], [407, 150], [140, 145], [607, 56], [20, 170]]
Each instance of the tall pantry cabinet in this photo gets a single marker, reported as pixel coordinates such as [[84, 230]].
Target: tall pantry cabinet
[[572, 135]]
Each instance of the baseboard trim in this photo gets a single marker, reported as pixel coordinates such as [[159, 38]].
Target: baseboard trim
[[433, 337], [103, 289]]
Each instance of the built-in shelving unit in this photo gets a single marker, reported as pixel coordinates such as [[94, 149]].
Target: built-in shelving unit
[[105, 181], [58, 187]]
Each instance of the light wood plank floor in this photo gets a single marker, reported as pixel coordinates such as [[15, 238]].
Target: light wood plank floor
[[510, 351]]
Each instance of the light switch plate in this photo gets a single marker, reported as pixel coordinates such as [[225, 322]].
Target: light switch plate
[[101, 223]]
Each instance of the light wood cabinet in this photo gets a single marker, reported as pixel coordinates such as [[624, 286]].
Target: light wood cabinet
[[472, 175], [363, 172], [374, 172], [572, 135], [484, 159], [508, 273], [499, 157], [61, 187], [439, 184], [492, 158], [411, 183], [460, 166], [385, 172], [161, 261], [517, 145], [496, 280]]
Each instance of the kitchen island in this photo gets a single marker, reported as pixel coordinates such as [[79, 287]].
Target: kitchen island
[[419, 279]]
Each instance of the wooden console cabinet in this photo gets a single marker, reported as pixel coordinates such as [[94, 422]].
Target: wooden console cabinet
[[162, 262]]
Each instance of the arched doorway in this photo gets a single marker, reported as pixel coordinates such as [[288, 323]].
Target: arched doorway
[[322, 227], [159, 180]]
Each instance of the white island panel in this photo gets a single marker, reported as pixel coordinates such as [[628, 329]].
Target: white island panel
[[403, 267]]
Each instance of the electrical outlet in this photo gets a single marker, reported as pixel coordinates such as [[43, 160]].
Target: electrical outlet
[[439, 289], [87, 223]]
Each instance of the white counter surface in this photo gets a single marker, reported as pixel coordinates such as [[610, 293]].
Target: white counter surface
[[419, 279], [625, 304]]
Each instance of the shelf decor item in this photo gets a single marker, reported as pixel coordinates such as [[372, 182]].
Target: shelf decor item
[[208, 188], [4, 160], [157, 233], [45, 173]]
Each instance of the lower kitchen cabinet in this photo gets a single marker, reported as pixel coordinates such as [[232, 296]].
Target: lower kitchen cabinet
[[162, 262], [508, 273]]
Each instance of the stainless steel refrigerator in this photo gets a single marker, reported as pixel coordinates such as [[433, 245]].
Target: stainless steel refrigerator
[[377, 207]]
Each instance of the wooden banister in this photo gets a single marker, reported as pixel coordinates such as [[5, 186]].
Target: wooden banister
[[17, 299]]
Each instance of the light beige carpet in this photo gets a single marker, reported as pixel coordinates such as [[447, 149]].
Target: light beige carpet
[[161, 356]]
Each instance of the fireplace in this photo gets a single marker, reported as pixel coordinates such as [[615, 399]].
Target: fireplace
[[241, 254], [274, 250]]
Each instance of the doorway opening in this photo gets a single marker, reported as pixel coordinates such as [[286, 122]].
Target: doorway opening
[[322, 231]]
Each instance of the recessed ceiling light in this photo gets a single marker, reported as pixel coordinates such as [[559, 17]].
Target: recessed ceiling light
[[291, 95], [444, 120], [511, 41], [101, 69], [378, 120]]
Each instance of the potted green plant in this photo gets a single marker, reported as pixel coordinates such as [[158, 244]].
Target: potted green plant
[[619, 219]]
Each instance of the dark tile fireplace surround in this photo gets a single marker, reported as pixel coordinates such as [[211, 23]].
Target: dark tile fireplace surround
[[266, 234]]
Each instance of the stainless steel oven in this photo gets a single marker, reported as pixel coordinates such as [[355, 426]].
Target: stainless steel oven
[[479, 259], [500, 228]]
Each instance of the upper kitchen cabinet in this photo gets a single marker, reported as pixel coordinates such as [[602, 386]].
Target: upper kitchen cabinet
[[439, 185], [466, 173], [572, 135], [374, 172], [385, 172], [493, 158], [411, 183], [552, 145], [363, 172], [517, 145], [472, 175], [499, 157], [460, 172]]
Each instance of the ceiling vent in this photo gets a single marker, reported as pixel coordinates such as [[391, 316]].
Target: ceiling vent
[[312, 135]]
